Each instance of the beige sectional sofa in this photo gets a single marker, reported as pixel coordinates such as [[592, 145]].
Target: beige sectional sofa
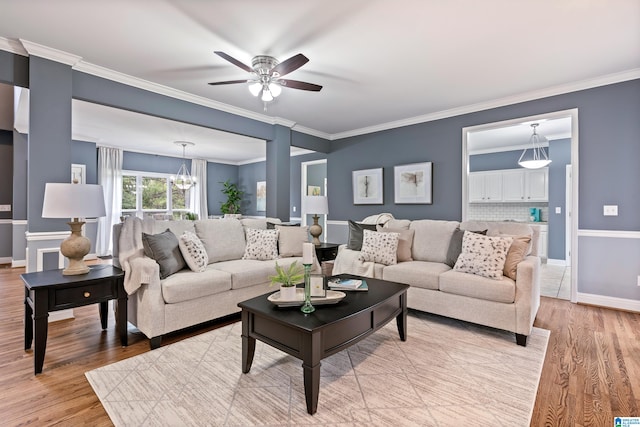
[[438, 288], [186, 298]]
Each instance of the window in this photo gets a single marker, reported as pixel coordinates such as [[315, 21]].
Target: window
[[147, 193]]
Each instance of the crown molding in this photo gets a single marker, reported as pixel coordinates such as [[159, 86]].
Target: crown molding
[[50, 53], [312, 132], [12, 46], [500, 102]]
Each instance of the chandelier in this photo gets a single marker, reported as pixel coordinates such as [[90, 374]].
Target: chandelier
[[536, 156], [183, 179]]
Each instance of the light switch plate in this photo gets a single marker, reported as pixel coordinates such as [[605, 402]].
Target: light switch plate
[[610, 210], [558, 210]]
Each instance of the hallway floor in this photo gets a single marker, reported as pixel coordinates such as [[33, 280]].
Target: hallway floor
[[556, 281]]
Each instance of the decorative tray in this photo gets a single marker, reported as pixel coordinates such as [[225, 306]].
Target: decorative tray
[[332, 297]]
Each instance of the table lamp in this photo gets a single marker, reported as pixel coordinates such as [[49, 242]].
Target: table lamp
[[74, 201], [316, 205]]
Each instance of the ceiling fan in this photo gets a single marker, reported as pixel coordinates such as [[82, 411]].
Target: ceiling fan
[[266, 75]]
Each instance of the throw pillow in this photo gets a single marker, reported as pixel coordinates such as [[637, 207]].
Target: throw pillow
[[193, 251], [517, 252], [165, 250], [356, 236], [455, 246], [483, 255], [381, 248], [272, 225], [261, 244], [291, 239], [405, 240]]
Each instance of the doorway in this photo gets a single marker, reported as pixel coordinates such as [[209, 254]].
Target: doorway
[[510, 137], [314, 182]]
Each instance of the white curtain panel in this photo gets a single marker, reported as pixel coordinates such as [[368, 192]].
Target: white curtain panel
[[110, 177], [198, 194]]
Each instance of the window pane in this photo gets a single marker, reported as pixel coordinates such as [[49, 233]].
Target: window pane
[[154, 193], [128, 192], [179, 198]]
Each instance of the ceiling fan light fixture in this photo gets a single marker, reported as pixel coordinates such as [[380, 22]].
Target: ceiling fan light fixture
[[536, 156], [255, 88], [275, 89], [266, 94]]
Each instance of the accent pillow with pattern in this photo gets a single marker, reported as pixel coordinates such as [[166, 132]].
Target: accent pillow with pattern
[[262, 245], [379, 247], [483, 255], [193, 251]]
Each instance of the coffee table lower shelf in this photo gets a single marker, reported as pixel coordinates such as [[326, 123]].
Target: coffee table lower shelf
[[330, 329]]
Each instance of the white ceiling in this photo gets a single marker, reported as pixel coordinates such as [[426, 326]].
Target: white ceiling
[[382, 63]]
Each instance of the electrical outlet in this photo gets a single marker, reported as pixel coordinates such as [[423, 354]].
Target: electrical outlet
[[639, 280], [5, 208], [558, 210], [294, 208], [610, 210]]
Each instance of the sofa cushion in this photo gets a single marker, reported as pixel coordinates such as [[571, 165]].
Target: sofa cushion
[[245, 273], [398, 224], [420, 274], [517, 252], [257, 223], [380, 247], [165, 250], [356, 235], [193, 251], [222, 238], [186, 285], [455, 246], [483, 255], [177, 227], [405, 240], [431, 239], [290, 239], [261, 244], [474, 286]]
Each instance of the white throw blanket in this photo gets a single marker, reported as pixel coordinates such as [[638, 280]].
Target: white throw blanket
[[137, 269], [348, 262]]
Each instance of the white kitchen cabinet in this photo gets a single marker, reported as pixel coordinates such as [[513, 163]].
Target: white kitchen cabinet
[[485, 187], [525, 185]]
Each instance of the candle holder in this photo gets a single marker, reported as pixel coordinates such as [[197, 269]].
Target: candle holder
[[307, 307]]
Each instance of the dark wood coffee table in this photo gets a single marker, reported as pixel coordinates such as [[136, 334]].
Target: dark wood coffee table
[[328, 330]]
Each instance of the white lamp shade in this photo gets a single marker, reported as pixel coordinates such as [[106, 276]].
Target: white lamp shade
[[73, 201], [318, 205]]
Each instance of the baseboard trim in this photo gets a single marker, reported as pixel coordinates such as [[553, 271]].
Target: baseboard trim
[[16, 263], [5, 260], [609, 302]]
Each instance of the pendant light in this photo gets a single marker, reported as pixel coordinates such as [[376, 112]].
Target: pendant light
[[536, 156], [183, 179]]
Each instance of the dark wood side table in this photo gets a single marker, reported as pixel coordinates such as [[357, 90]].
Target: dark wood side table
[[326, 251], [50, 290]]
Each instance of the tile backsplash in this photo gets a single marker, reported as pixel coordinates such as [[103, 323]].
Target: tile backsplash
[[505, 211]]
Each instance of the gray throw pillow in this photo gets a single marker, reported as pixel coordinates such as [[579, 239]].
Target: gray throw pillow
[[164, 248], [356, 234], [455, 245]]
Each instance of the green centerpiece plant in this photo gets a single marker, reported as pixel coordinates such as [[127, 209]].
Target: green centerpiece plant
[[288, 278], [234, 197]]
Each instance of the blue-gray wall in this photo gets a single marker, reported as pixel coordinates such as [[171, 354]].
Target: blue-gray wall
[[494, 161], [19, 192], [560, 153], [248, 177], [217, 173], [6, 172]]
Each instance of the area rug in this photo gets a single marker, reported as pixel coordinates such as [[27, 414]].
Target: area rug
[[446, 373]]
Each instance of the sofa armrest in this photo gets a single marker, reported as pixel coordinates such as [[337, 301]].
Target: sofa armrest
[[527, 293], [147, 308]]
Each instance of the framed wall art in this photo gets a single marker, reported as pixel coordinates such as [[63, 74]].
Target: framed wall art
[[413, 183], [367, 187], [261, 196]]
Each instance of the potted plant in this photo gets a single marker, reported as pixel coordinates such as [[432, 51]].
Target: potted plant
[[234, 197], [287, 279]]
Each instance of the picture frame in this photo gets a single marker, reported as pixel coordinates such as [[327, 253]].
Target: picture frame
[[318, 284], [413, 183], [368, 187], [261, 196], [314, 190]]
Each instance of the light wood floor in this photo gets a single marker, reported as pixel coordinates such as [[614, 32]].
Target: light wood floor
[[591, 371]]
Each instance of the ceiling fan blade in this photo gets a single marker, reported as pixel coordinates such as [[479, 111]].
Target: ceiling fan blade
[[290, 64], [234, 61], [295, 84], [228, 82]]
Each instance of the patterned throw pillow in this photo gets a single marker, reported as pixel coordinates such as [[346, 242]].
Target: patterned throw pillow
[[483, 255], [261, 244], [379, 247], [193, 251]]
